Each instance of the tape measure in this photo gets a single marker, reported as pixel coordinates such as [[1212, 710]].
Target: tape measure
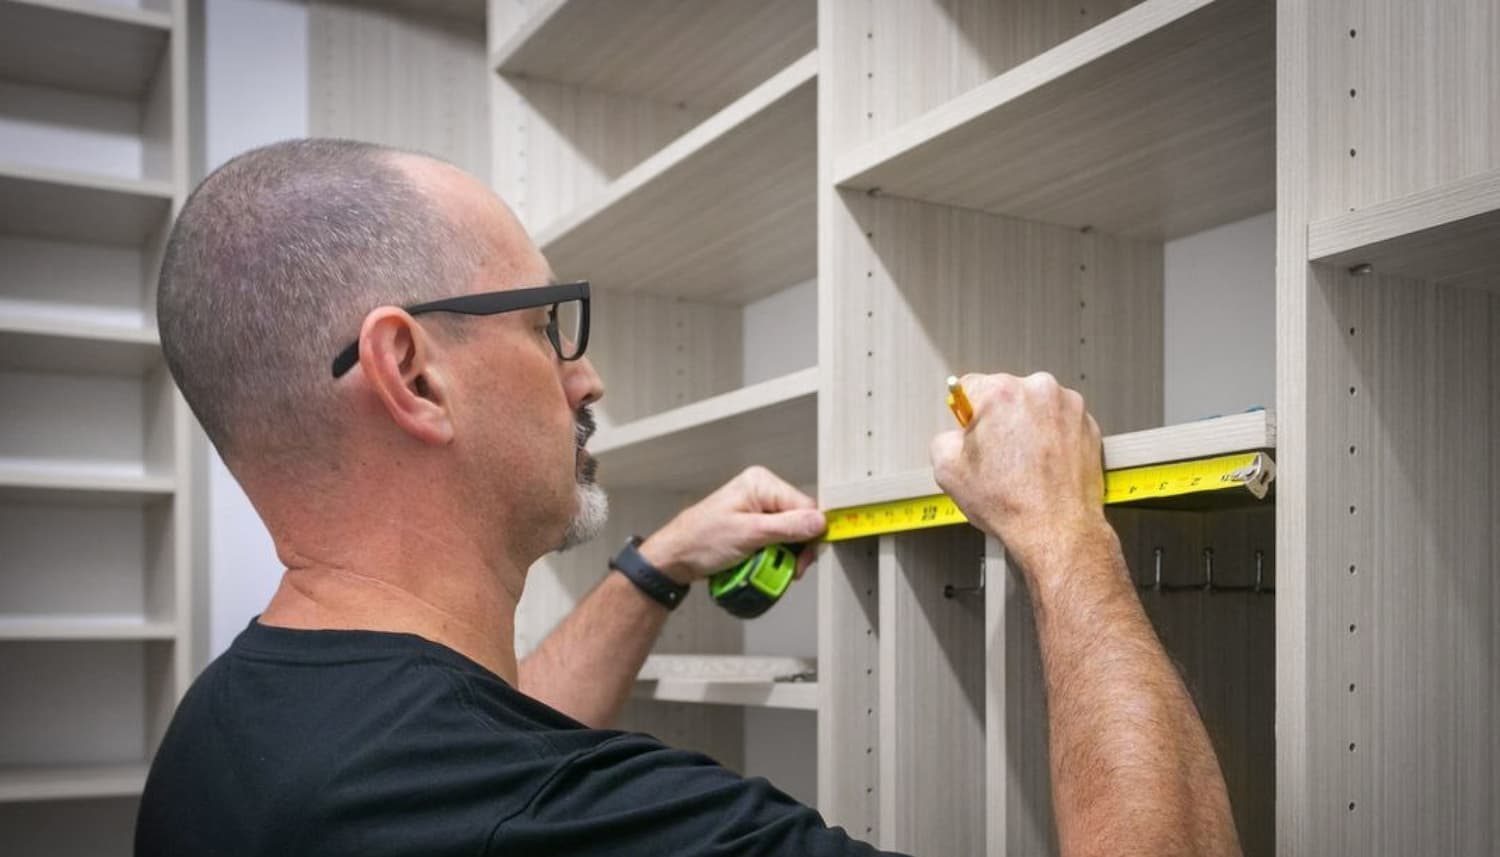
[[1248, 471]]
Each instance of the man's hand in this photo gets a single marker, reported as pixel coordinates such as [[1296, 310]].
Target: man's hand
[[1029, 467], [755, 509]]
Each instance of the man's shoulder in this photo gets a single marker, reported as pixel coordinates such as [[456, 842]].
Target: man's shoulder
[[329, 741]]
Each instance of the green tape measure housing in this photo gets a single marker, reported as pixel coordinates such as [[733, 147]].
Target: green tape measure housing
[[752, 587]]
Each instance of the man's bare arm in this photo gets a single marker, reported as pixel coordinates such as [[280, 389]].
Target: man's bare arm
[[1133, 771], [587, 665]]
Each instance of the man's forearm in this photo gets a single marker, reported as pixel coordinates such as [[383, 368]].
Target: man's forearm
[[1133, 771], [587, 665]]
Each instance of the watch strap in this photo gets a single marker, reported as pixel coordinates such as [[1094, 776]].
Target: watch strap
[[647, 577]]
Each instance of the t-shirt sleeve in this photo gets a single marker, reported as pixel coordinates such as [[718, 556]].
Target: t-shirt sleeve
[[631, 795]]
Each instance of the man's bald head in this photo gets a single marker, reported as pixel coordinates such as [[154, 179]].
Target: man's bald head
[[273, 262]]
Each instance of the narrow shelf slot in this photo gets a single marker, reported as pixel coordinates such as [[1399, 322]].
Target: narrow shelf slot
[[729, 207], [704, 54], [74, 206], [84, 46], [1157, 123], [1255, 430], [79, 485], [62, 628], [1445, 235], [50, 344], [20, 784], [745, 680], [773, 423]]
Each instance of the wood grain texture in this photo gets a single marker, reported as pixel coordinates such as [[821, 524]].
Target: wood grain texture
[[658, 354], [729, 206], [849, 660], [701, 445], [705, 53], [932, 662], [415, 81], [85, 46], [1157, 123], [1298, 310], [932, 290], [558, 146], [1402, 573], [1445, 235], [1403, 99], [1018, 776], [887, 75]]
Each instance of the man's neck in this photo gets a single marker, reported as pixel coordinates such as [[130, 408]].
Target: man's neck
[[463, 606]]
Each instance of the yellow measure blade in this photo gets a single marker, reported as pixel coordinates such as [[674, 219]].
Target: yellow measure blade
[[1252, 471]]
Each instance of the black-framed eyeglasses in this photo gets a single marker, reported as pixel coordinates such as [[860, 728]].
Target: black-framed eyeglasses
[[567, 318]]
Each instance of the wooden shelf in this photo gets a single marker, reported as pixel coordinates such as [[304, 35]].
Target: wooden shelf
[[82, 486], [84, 628], [704, 53], [1246, 432], [467, 11], [726, 212], [90, 47], [51, 344], [773, 423], [71, 206], [71, 782], [1446, 235], [745, 680], [1157, 123]]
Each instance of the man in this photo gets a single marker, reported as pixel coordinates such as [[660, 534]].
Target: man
[[377, 706]]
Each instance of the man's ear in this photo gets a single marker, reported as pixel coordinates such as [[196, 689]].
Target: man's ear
[[396, 358]]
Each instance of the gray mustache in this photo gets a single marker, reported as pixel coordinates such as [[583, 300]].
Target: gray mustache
[[584, 425]]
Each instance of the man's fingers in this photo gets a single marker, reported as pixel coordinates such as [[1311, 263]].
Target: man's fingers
[[770, 493], [946, 450], [797, 525]]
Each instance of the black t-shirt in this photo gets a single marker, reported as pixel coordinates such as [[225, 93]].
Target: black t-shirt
[[366, 743]]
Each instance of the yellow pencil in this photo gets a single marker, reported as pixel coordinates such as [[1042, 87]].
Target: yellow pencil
[[958, 402]]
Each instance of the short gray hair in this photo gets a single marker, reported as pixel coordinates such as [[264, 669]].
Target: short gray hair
[[272, 264]]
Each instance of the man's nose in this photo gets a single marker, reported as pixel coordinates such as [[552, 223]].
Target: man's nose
[[581, 383]]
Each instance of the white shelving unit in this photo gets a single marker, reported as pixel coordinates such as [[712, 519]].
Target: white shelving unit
[[1444, 234], [1156, 123], [743, 680], [727, 204], [705, 54], [95, 585], [698, 446], [668, 153], [1249, 432]]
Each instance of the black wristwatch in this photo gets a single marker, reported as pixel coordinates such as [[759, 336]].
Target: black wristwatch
[[647, 577]]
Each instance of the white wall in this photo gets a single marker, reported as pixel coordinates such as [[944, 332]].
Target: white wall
[[255, 92], [1220, 324]]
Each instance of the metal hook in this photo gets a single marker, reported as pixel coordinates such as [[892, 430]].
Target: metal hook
[[951, 591]]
